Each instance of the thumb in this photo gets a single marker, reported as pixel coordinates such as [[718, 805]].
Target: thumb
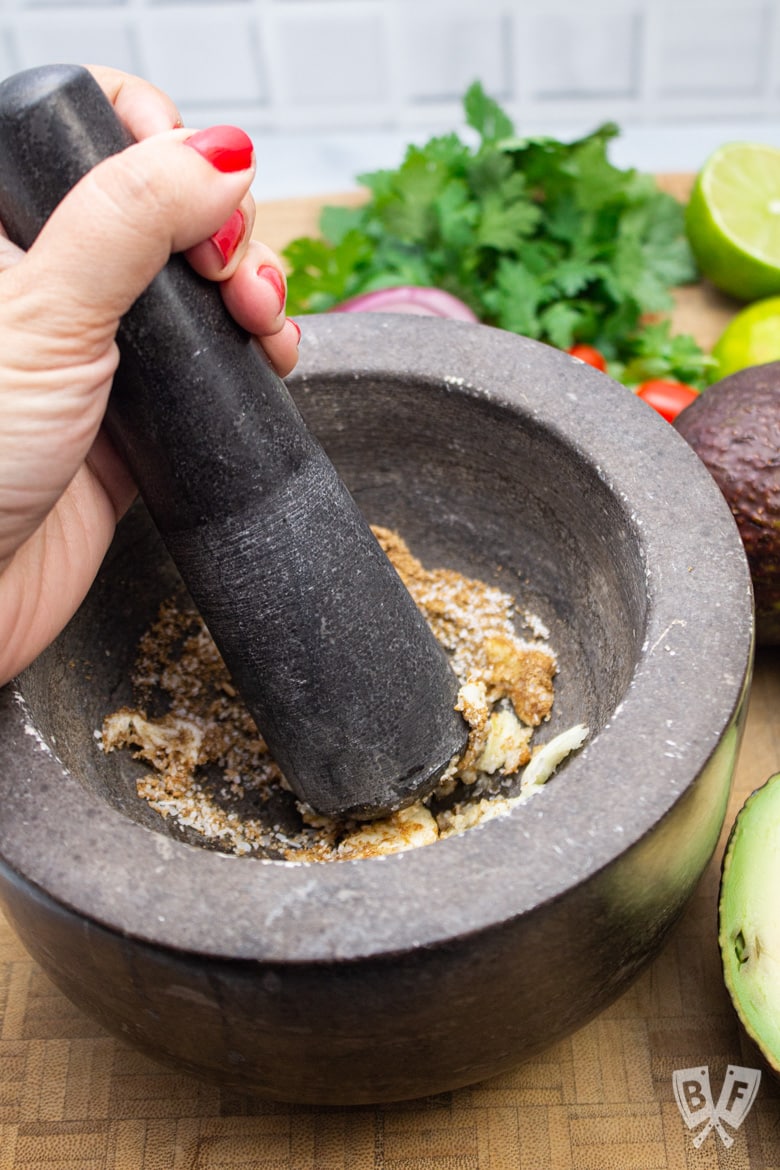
[[115, 230], [60, 304]]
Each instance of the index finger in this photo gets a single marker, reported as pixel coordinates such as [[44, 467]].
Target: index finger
[[140, 106]]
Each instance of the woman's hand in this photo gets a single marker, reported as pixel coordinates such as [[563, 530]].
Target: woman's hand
[[62, 485]]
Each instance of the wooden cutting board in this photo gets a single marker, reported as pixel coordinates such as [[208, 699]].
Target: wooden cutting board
[[73, 1098]]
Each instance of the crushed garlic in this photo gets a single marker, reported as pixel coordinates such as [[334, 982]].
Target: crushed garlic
[[212, 773]]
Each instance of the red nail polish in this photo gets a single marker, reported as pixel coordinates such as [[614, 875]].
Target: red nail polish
[[297, 329], [226, 147], [276, 280], [229, 236]]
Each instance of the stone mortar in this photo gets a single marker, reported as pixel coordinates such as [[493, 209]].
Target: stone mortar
[[391, 978]]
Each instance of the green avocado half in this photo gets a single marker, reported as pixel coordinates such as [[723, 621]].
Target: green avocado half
[[749, 918]]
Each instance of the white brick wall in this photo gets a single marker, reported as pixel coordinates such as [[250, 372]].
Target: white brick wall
[[326, 78]]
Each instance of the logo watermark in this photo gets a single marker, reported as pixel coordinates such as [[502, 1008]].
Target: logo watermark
[[694, 1099]]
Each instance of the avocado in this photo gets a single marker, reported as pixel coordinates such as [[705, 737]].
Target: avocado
[[748, 919], [734, 427]]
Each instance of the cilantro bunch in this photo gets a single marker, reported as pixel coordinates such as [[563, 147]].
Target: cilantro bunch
[[540, 237]]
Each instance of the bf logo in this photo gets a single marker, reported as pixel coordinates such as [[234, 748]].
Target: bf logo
[[694, 1099]]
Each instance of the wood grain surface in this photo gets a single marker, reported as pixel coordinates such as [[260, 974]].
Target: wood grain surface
[[74, 1098]]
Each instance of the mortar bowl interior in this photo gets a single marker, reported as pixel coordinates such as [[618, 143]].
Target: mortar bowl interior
[[394, 977]]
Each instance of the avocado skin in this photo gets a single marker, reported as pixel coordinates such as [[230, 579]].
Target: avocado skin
[[734, 427]]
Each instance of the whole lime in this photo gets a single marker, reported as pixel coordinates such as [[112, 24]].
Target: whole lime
[[752, 338], [733, 220]]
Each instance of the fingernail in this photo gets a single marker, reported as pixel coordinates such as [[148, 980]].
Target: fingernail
[[276, 280], [226, 147], [230, 235], [297, 329]]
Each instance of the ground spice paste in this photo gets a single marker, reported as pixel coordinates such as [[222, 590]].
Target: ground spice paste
[[211, 772]]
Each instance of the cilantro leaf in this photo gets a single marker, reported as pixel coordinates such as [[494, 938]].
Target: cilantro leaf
[[326, 273], [560, 323], [336, 222], [515, 298], [503, 223], [573, 274], [485, 115]]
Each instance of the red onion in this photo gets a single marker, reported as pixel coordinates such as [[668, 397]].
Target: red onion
[[425, 302]]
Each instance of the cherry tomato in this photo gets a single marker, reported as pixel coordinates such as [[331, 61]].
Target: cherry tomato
[[590, 355], [667, 397]]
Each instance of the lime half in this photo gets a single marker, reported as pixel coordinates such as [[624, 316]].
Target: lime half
[[752, 338], [733, 220]]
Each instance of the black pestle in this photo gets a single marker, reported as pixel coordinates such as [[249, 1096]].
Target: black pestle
[[341, 673]]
